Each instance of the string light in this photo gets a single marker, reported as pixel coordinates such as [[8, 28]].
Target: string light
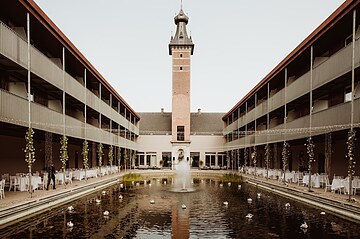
[[350, 155], [267, 155], [119, 157], [285, 155], [29, 148], [111, 155], [64, 151], [85, 153], [100, 154]]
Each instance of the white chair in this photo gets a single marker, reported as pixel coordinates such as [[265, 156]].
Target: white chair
[[327, 183], [7, 180], [14, 183], [68, 177], [2, 189], [300, 178]]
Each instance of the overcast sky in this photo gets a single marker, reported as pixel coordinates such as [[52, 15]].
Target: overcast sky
[[237, 43]]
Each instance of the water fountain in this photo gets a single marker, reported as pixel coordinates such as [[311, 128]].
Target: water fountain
[[182, 178]]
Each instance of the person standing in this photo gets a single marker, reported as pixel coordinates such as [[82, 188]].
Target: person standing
[[51, 176]]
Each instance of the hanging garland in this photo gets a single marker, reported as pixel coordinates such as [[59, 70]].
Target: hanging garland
[[133, 158], [285, 155], [310, 151], [29, 148], [85, 153], [350, 155], [254, 156], [125, 157], [100, 154], [63, 151], [111, 155], [119, 158], [267, 155], [245, 156]]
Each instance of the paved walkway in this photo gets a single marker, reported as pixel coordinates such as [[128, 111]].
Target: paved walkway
[[19, 198], [318, 192]]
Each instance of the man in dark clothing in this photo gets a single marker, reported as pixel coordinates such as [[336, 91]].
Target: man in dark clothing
[[51, 176]]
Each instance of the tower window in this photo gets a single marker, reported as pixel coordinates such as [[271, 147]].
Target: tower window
[[181, 68], [180, 55], [180, 133]]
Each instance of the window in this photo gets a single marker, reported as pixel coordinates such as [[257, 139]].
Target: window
[[180, 133], [180, 55], [348, 94], [348, 40], [181, 68]]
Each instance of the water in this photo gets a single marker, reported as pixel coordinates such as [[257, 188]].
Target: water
[[182, 179], [205, 215]]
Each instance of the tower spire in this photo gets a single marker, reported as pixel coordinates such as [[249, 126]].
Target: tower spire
[[181, 37]]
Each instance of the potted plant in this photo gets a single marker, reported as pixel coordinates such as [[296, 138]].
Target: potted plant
[[201, 163]]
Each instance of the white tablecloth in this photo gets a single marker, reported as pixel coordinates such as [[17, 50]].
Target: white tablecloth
[[345, 184], [315, 180], [24, 181], [337, 184]]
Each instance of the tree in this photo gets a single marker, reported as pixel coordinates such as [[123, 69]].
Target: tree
[[111, 156], [350, 155], [64, 154], [285, 156], [310, 151], [29, 152], [85, 153], [267, 159], [100, 154]]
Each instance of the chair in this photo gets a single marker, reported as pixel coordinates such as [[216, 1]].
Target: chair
[[45, 181], [68, 177], [327, 183], [7, 180], [300, 178], [14, 183], [2, 189]]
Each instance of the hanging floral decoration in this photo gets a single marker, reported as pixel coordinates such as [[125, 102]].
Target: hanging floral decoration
[[64, 151], [133, 157], [245, 156], [111, 155], [310, 151], [29, 148], [85, 153], [350, 155], [125, 157], [267, 155], [100, 153], [119, 157], [285, 154], [254, 156]]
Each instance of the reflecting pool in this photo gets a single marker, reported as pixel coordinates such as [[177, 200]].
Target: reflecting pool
[[152, 210]]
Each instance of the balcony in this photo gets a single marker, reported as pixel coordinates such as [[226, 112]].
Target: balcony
[[49, 120], [14, 47]]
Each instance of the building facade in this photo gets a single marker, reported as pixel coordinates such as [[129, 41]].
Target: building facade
[[48, 85], [168, 137], [314, 92]]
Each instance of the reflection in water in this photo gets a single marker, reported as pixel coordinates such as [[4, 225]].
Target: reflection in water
[[205, 215]]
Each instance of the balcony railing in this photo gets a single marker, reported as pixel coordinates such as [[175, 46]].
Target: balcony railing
[[15, 48], [45, 119], [328, 70]]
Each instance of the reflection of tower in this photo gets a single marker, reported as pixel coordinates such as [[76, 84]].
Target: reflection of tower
[[180, 224], [181, 48]]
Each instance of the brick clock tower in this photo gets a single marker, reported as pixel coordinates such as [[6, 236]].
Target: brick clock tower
[[181, 48]]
